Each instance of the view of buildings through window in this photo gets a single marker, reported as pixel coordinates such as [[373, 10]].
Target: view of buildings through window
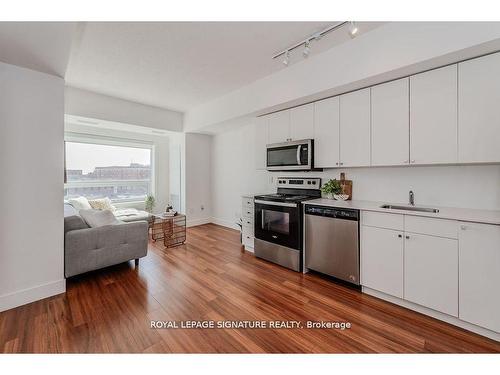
[[99, 170]]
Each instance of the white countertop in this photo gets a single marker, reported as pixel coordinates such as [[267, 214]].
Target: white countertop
[[462, 214]]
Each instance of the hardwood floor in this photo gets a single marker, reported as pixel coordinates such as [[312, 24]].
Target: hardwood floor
[[210, 278]]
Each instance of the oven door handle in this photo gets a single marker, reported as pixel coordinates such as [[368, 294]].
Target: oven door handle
[[281, 204], [298, 154]]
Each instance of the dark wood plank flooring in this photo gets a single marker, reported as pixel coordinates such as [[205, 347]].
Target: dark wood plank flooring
[[211, 278]]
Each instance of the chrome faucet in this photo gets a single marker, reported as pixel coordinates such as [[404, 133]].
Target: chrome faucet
[[412, 198]]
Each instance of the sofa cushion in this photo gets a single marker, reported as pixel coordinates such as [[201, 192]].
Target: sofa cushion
[[131, 214], [74, 222], [98, 218], [80, 203]]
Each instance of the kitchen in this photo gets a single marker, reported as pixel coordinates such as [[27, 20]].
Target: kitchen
[[429, 136]]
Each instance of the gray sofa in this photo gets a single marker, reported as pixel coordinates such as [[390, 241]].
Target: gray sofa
[[87, 249]]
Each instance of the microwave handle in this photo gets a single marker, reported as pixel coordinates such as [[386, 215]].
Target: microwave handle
[[298, 154]]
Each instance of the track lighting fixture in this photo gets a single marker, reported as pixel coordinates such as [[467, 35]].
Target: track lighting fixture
[[307, 49], [286, 60], [353, 29]]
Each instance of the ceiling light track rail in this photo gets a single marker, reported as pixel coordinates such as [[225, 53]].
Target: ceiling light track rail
[[315, 36]]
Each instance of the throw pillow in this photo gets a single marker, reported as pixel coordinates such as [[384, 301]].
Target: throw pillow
[[102, 204], [98, 218], [80, 203]]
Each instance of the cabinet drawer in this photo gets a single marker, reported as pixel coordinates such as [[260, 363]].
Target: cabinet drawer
[[248, 241], [247, 221], [248, 202], [431, 226], [382, 220], [247, 229], [247, 212]]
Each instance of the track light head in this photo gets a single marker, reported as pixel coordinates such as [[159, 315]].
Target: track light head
[[307, 49], [353, 29], [286, 60]]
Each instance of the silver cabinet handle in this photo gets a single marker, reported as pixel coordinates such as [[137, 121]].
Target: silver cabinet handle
[[400, 236], [341, 163], [407, 237], [337, 163]]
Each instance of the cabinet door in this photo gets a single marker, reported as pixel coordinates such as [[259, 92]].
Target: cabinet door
[[355, 129], [261, 137], [326, 133], [390, 123], [479, 274], [433, 116], [301, 122], [479, 110], [431, 272], [279, 126], [382, 260]]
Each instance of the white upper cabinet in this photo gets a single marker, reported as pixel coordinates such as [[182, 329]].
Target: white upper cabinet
[[433, 116], [261, 139], [326, 133], [479, 110], [479, 270], [390, 123], [301, 122], [279, 126], [355, 129]]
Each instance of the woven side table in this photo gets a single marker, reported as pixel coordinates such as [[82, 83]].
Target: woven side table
[[170, 229]]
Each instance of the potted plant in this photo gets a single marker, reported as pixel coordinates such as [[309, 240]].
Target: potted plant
[[331, 188], [150, 203]]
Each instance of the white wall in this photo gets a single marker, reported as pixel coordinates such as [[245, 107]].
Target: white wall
[[234, 174], [92, 105], [31, 186], [197, 162], [161, 161], [387, 52]]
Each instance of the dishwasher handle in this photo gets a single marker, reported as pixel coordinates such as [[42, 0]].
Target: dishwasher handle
[[332, 212]]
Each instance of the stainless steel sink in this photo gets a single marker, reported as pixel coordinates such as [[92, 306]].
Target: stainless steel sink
[[409, 208]]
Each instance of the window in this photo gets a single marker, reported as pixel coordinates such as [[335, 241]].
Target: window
[[120, 171]]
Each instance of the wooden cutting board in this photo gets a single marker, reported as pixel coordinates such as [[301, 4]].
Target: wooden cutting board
[[346, 186]]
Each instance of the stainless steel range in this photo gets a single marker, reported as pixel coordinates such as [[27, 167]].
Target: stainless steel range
[[279, 222]]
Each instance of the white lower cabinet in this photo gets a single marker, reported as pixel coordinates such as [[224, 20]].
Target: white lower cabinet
[[448, 266], [431, 272], [479, 251], [382, 260]]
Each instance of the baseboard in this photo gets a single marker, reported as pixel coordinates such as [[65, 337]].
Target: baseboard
[[434, 314], [193, 223], [225, 223], [22, 297]]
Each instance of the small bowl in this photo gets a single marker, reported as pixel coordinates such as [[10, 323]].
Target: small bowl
[[341, 197]]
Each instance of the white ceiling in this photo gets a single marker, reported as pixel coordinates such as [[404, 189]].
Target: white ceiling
[[41, 46], [179, 65]]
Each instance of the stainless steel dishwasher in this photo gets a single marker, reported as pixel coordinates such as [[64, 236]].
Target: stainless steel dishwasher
[[332, 242]]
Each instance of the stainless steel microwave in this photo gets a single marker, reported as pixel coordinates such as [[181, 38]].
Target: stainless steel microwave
[[290, 156]]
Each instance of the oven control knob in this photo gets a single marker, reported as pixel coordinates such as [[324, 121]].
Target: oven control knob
[[314, 182]]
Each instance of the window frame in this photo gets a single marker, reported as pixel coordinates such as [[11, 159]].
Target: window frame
[[113, 141]]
